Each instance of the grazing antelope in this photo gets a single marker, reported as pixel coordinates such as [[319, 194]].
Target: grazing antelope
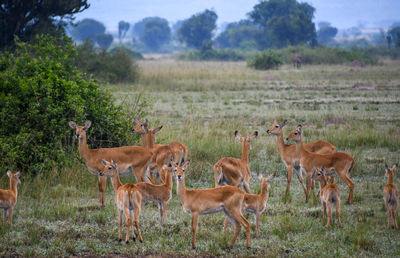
[[256, 203], [234, 171], [290, 157], [197, 202], [127, 198], [176, 149], [329, 194], [391, 196], [131, 159], [296, 60], [341, 162], [8, 198]]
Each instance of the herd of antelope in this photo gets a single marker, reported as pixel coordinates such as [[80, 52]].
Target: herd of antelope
[[157, 162]]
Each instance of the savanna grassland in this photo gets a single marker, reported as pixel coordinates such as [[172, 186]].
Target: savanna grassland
[[201, 104]]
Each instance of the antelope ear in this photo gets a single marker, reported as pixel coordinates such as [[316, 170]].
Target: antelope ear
[[18, 174], [394, 166], [187, 163], [114, 164], [105, 162], [283, 123], [259, 176], [386, 167], [87, 125], [270, 177], [253, 135], [146, 123], [157, 129], [9, 173], [330, 172], [300, 129], [174, 164], [238, 136], [164, 167], [72, 124]]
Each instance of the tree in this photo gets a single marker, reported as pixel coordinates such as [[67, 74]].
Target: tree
[[123, 28], [87, 29], [326, 32], [198, 29], [25, 19], [104, 40], [155, 33], [394, 34], [284, 22], [240, 34]]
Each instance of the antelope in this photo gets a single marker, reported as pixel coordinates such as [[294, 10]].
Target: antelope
[[329, 194], [8, 198], [127, 198], [391, 196], [341, 162], [291, 158], [296, 60], [197, 202], [256, 203], [176, 149], [160, 194], [234, 171], [130, 158]]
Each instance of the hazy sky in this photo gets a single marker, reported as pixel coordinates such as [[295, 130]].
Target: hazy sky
[[340, 13]]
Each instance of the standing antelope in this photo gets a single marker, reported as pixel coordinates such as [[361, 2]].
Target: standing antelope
[[160, 194], [256, 203], [391, 196], [290, 157], [8, 198], [176, 149], [296, 60], [234, 171], [329, 194], [131, 159], [127, 198], [341, 162], [197, 202]]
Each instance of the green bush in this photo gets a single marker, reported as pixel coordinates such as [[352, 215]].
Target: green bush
[[40, 91], [115, 67], [325, 55], [209, 54], [265, 60]]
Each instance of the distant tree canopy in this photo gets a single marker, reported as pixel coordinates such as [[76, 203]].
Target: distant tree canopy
[[241, 34], [26, 19], [326, 33], [87, 29], [123, 28], [284, 22], [155, 33], [197, 31], [394, 32], [104, 40]]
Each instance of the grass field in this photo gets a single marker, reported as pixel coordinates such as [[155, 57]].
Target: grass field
[[201, 104]]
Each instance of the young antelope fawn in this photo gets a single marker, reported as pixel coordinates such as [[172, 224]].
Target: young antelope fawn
[[341, 162], [197, 202], [127, 198], [8, 198], [256, 203], [391, 196], [232, 171], [291, 158], [329, 194]]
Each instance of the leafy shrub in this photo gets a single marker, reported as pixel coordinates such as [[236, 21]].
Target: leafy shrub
[[40, 91], [265, 60], [132, 53], [223, 54], [324, 55], [115, 67]]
